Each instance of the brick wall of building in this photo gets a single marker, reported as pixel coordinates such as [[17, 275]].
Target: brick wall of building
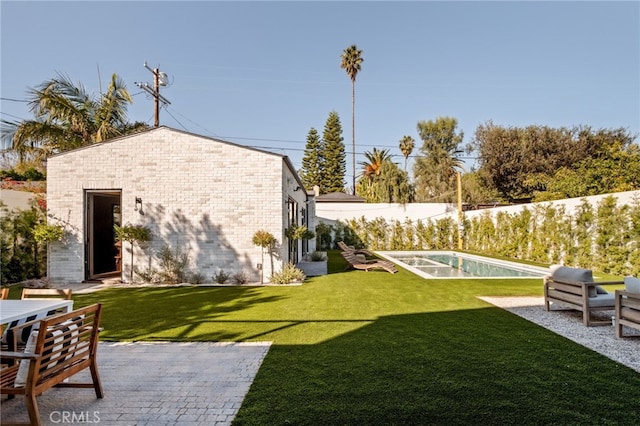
[[199, 196]]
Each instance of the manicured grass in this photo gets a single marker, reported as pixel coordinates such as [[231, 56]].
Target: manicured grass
[[371, 348]]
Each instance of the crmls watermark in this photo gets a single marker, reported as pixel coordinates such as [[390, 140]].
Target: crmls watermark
[[64, 417]]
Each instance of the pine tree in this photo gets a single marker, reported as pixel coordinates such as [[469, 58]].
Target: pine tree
[[311, 161], [333, 155]]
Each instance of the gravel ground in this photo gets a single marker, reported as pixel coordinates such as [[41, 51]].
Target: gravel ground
[[601, 339]]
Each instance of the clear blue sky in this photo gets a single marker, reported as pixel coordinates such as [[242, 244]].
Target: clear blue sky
[[263, 73]]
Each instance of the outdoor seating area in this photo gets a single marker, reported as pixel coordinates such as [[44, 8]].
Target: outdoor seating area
[[59, 348]]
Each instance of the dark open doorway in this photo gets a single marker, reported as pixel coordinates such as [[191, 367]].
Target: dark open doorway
[[103, 255]]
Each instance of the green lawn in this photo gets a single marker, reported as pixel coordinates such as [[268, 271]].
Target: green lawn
[[372, 348]]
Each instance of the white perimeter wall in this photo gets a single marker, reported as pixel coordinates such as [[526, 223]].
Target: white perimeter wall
[[330, 213]]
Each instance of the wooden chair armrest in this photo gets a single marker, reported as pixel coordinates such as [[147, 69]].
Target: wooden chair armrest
[[19, 355], [606, 282], [629, 294]]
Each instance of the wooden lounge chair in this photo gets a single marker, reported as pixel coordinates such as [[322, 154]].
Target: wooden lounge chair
[[344, 247], [62, 346], [356, 262], [4, 293]]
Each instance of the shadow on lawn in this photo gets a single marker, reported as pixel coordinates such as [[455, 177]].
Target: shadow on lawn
[[167, 314], [476, 366]]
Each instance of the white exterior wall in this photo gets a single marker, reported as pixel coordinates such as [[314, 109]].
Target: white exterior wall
[[569, 204], [329, 213], [199, 195]]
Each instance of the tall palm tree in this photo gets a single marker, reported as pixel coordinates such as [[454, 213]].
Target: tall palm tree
[[407, 143], [351, 62], [68, 117]]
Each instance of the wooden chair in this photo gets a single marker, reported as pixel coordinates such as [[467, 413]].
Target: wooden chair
[[64, 345], [46, 293], [4, 293], [344, 247], [355, 262]]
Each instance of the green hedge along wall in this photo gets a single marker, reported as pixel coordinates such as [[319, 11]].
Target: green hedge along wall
[[605, 238]]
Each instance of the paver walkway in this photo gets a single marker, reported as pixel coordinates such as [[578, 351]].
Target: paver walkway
[[155, 384]]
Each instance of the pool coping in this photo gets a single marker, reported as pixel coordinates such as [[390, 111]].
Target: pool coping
[[389, 255]]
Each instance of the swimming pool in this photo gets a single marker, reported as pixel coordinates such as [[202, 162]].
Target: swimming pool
[[448, 264]]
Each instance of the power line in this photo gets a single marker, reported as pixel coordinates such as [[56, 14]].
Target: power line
[[14, 100]]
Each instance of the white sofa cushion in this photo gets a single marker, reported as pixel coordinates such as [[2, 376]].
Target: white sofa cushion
[[632, 284], [53, 353]]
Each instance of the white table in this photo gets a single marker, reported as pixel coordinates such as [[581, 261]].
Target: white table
[[12, 310]]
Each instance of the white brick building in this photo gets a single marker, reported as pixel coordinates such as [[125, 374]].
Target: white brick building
[[199, 195]]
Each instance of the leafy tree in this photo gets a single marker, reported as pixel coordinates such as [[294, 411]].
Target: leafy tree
[[265, 240], [435, 170], [548, 163], [407, 143], [68, 117], [333, 156], [351, 61], [312, 160], [475, 193], [390, 185], [616, 171], [133, 234]]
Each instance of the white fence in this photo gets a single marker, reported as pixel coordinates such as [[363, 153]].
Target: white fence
[[330, 213]]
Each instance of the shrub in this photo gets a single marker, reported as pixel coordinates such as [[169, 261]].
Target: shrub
[[149, 275], [318, 256], [196, 278], [288, 275], [240, 278], [173, 265], [220, 277]]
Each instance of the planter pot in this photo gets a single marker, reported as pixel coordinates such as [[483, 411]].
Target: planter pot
[[313, 269]]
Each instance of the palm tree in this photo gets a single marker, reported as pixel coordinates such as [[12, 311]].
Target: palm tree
[[351, 62], [407, 143], [68, 117], [375, 160]]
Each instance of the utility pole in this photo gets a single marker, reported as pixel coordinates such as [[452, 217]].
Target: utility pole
[[460, 221], [159, 79]]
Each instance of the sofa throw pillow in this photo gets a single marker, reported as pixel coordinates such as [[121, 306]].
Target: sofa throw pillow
[[56, 350], [632, 284], [23, 370]]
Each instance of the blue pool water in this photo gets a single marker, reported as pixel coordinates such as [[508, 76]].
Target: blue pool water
[[458, 265]]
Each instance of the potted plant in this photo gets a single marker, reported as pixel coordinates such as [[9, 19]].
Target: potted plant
[[266, 240], [44, 233], [132, 234]]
